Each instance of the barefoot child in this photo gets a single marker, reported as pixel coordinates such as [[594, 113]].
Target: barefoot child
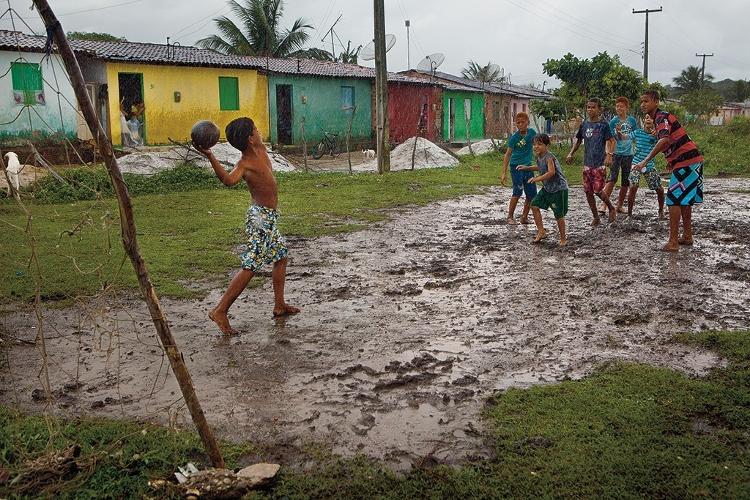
[[597, 156], [519, 153], [621, 126], [554, 192], [265, 243], [645, 140], [684, 162]]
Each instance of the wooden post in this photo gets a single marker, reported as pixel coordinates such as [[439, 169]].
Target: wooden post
[[129, 238], [381, 91], [353, 110], [304, 144]]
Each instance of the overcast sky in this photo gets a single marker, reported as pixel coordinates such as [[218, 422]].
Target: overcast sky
[[518, 35]]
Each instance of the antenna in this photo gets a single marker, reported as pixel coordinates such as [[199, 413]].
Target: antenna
[[367, 53], [331, 33], [431, 63]]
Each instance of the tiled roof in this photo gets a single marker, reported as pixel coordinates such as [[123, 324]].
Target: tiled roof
[[505, 88], [312, 67], [153, 53]]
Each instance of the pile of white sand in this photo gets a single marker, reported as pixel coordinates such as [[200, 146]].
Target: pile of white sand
[[148, 163], [428, 155], [481, 147]]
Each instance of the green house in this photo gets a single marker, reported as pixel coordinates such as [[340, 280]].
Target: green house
[[320, 96], [463, 109]]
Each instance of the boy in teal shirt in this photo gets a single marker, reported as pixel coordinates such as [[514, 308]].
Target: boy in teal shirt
[[519, 152], [622, 126]]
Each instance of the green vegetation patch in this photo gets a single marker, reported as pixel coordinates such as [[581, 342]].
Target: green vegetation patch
[[627, 431]]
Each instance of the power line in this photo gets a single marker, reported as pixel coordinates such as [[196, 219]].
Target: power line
[[198, 21]]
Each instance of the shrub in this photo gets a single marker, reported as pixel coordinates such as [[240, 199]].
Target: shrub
[[739, 126]]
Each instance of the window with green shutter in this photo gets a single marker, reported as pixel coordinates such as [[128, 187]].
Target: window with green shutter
[[229, 93], [28, 88]]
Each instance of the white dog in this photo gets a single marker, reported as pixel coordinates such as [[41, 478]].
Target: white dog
[[14, 168], [369, 153]]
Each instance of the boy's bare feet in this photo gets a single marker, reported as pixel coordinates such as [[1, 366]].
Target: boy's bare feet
[[512, 221], [524, 220], [284, 310], [563, 242], [222, 322], [688, 242], [540, 236], [602, 208], [612, 215], [661, 216], [621, 210], [671, 247], [596, 222]]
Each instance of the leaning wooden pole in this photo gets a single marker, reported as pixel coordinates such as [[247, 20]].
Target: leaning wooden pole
[[129, 239]]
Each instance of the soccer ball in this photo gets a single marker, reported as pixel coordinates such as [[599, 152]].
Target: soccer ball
[[205, 134]]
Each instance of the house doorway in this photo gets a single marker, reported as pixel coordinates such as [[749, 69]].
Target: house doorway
[[284, 114], [132, 109], [451, 119]]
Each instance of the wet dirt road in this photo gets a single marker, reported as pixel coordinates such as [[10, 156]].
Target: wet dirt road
[[407, 327]]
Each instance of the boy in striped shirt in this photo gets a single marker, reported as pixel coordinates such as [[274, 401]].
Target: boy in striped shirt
[[685, 163], [645, 140]]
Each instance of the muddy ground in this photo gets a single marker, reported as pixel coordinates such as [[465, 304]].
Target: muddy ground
[[406, 328]]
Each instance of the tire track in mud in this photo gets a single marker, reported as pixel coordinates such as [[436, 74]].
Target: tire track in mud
[[409, 326]]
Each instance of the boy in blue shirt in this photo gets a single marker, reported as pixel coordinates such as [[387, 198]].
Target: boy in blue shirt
[[622, 125], [519, 152], [597, 156], [644, 140]]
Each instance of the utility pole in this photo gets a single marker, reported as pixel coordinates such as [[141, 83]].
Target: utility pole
[[703, 67], [645, 45], [408, 45], [331, 33], [381, 90]]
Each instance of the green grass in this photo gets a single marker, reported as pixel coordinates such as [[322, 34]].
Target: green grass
[[627, 431]]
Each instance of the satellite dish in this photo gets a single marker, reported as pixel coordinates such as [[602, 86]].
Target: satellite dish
[[431, 62], [367, 53]]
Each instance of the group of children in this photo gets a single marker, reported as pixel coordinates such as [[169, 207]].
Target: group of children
[[620, 145]]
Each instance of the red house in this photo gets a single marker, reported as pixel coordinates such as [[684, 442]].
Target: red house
[[415, 107]]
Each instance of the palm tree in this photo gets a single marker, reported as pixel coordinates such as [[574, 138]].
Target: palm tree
[[259, 32], [690, 79], [490, 73]]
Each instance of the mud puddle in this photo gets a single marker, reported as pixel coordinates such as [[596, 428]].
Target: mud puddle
[[407, 328]]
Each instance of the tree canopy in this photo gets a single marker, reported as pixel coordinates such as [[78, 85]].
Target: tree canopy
[[689, 79], [94, 37], [489, 73], [602, 76], [258, 31]]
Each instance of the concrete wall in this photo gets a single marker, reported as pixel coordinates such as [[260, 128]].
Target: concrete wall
[[404, 108], [41, 119], [318, 100], [199, 99]]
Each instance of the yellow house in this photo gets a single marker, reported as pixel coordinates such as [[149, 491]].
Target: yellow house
[[151, 93]]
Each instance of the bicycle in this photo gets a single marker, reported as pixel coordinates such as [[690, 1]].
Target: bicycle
[[329, 144]]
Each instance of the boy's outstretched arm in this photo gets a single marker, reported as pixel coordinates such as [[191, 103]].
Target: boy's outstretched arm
[[550, 173], [506, 163], [226, 178]]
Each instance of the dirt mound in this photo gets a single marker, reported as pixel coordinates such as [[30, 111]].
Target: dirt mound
[[428, 155], [481, 147], [151, 162]]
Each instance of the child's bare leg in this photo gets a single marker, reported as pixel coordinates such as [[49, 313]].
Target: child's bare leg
[[660, 197], [278, 275], [631, 199], [592, 206], [605, 199], [561, 229], [687, 226], [674, 227], [608, 188], [621, 198], [219, 313], [540, 232], [525, 212], [512, 209]]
